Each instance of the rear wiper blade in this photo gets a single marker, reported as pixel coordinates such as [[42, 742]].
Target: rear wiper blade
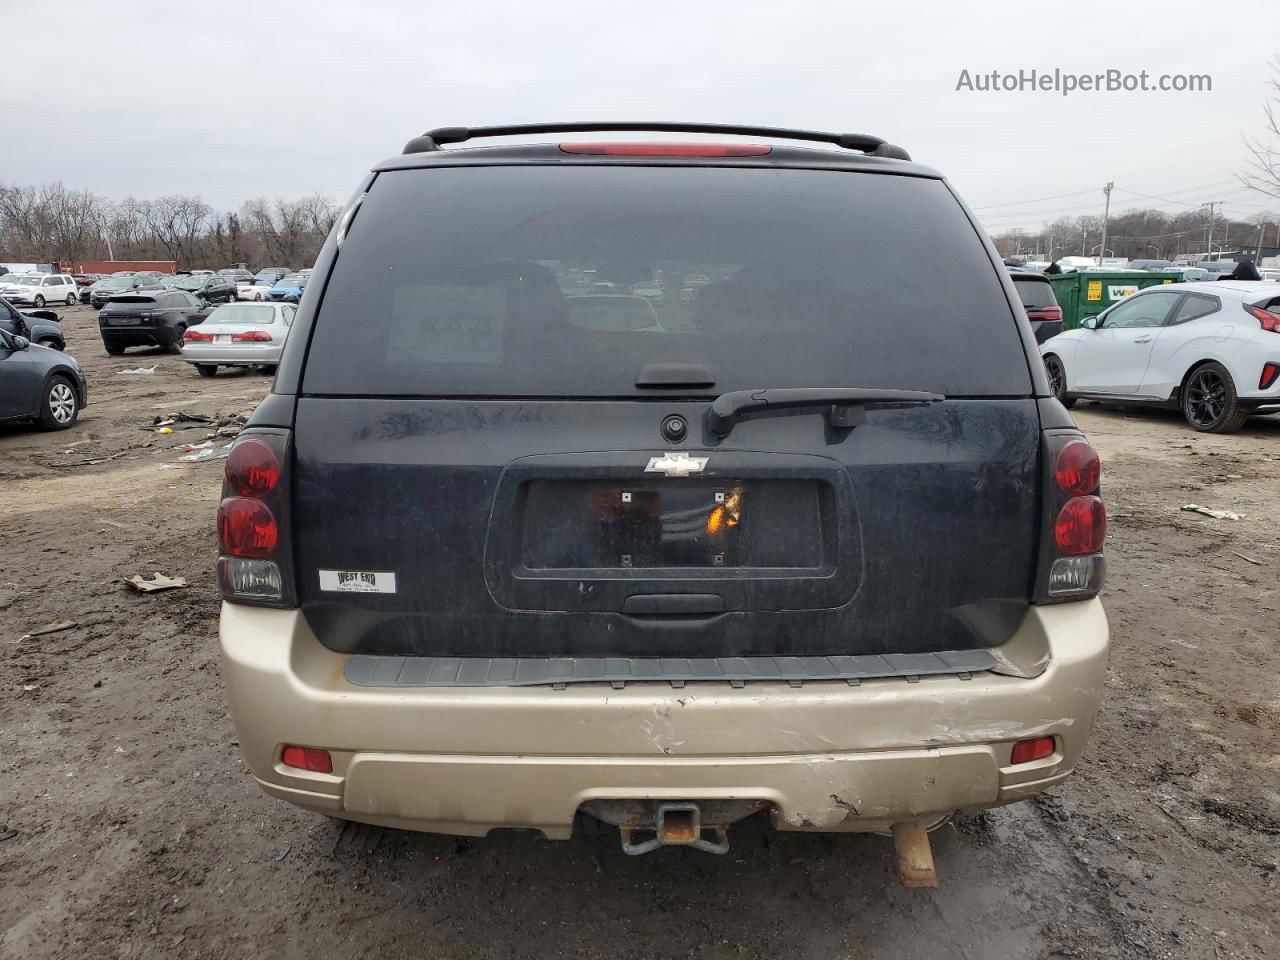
[[727, 408]]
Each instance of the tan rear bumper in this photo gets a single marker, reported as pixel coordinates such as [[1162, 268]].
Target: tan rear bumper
[[826, 755]]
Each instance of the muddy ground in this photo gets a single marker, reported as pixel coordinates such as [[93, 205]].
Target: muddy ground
[[137, 831]]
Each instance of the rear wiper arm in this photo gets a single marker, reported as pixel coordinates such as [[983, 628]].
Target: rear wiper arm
[[729, 407]]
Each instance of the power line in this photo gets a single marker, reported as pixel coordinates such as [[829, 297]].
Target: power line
[[1018, 203]]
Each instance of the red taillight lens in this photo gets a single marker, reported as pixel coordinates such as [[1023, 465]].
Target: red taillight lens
[[195, 336], [1081, 526], [246, 528], [1052, 312], [1269, 373], [307, 758], [1024, 751], [1268, 320], [668, 149], [251, 336], [1078, 469], [252, 469]]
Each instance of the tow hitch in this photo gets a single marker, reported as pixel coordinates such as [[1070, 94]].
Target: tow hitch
[[646, 825]]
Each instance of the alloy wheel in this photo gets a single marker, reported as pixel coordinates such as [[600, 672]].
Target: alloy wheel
[[1206, 398], [1054, 371]]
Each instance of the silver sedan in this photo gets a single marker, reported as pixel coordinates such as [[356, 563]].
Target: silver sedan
[[239, 334]]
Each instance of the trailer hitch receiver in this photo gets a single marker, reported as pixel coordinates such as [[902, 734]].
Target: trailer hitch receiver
[[677, 824]]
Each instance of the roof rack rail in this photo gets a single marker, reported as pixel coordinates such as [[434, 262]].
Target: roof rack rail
[[873, 146]]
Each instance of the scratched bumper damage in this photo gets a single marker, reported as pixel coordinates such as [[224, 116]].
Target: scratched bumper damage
[[889, 755]]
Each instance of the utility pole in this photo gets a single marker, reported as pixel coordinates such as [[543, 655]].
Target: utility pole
[[1209, 238], [1106, 214]]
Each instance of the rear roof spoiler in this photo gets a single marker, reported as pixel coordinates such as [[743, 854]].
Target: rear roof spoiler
[[873, 146]]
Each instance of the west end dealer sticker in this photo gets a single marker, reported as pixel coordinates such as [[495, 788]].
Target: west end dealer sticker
[[357, 581]]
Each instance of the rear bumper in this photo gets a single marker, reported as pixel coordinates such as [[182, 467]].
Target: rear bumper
[[230, 355], [825, 756], [137, 337]]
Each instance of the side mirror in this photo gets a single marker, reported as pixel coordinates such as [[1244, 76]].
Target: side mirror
[[21, 343], [1089, 323]]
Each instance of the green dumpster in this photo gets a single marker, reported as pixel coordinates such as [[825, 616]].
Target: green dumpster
[[1087, 293]]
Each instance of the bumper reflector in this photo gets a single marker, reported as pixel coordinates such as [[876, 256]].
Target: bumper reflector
[[307, 758], [1024, 751]]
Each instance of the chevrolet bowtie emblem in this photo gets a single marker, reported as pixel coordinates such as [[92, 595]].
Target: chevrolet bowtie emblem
[[676, 464]]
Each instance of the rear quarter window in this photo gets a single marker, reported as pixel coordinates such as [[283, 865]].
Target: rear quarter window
[[543, 280], [1035, 293]]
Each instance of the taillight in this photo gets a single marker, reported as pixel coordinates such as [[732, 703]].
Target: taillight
[[252, 468], [1081, 526], [1077, 469], [246, 528], [255, 565], [1075, 521], [1269, 373], [195, 336], [1051, 312], [1268, 320], [668, 149], [251, 336]]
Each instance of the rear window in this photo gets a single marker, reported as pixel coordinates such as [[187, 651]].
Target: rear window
[[1035, 293], [566, 281], [242, 313]]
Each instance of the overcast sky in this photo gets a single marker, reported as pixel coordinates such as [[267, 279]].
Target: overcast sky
[[234, 99]]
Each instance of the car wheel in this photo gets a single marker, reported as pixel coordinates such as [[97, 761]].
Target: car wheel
[[60, 406], [51, 343], [39, 300], [114, 349], [207, 369], [179, 336], [269, 369], [1057, 375], [71, 300], [1209, 400]]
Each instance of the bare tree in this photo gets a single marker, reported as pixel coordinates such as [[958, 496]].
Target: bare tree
[[177, 223], [1263, 174]]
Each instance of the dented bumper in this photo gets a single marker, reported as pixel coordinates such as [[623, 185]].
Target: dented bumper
[[822, 756]]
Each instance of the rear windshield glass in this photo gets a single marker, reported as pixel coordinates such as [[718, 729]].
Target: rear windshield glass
[[566, 281], [1034, 293], [242, 313]]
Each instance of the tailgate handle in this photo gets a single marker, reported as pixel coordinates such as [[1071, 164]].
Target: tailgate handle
[[673, 604]]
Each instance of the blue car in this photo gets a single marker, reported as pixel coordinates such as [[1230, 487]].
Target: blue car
[[288, 288]]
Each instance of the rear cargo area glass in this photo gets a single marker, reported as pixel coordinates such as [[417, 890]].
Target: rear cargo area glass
[[471, 445], [554, 281]]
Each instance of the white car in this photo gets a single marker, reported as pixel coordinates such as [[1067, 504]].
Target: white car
[[239, 335], [255, 290], [39, 289], [1211, 349]]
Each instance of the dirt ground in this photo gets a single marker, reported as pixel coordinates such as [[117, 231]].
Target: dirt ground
[[137, 831]]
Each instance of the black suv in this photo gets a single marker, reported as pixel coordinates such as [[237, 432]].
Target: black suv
[[149, 319], [632, 481], [1039, 303]]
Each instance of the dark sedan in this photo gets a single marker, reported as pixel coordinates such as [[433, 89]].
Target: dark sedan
[[104, 290], [158, 319], [39, 384], [213, 289]]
